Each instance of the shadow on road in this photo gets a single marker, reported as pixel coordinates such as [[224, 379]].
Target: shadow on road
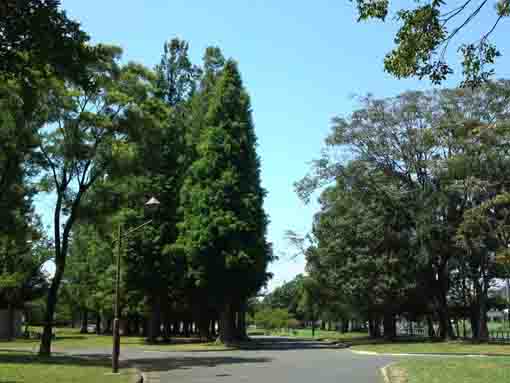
[[165, 363], [184, 363]]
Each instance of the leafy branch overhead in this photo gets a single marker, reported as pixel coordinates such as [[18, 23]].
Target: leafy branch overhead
[[427, 31]]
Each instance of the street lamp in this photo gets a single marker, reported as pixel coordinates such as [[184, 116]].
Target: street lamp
[[153, 203]]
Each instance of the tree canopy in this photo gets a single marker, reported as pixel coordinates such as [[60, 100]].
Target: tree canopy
[[423, 170]]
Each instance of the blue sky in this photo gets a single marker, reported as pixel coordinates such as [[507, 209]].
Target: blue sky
[[302, 63]]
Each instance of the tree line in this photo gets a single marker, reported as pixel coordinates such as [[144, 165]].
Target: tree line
[[414, 209], [96, 138]]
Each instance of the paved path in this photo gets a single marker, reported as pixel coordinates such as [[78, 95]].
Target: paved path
[[278, 360]]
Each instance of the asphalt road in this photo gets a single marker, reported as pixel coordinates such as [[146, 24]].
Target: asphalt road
[[277, 360]]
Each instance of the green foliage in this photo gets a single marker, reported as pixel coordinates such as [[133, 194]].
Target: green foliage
[[223, 228], [377, 9], [177, 76], [426, 32], [101, 137], [90, 259], [412, 57], [287, 296], [419, 207], [272, 319], [21, 277], [38, 40]]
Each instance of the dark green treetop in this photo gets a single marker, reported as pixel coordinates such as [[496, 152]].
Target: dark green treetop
[[224, 224]]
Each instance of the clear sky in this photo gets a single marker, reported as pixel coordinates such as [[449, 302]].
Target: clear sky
[[302, 62]]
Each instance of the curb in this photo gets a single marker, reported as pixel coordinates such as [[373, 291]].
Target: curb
[[384, 373], [145, 377], [149, 377], [445, 354]]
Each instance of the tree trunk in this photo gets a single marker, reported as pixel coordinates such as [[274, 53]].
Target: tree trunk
[[389, 326], [203, 326], [155, 320], [51, 303], [73, 319], [61, 245], [213, 328], [430, 326], [185, 328], [10, 322], [483, 332], [136, 324], [373, 327], [176, 328], [345, 325], [84, 329], [127, 327], [241, 325], [98, 323], [474, 317], [167, 329], [227, 324], [145, 325], [445, 326]]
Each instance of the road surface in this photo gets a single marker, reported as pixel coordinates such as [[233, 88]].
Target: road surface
[[278, 360]]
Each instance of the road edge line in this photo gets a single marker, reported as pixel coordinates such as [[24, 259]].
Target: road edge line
[[439, 355]]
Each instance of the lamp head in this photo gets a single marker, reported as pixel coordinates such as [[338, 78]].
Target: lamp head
[[152, 204]]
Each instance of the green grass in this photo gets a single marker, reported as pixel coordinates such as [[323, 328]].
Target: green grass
[[472, 370], [319, 334], [330, 335], [29, 368], [403, 347], [71, 339], [498, 326]]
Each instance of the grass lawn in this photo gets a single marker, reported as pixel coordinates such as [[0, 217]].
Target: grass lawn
[[29, 368], [402, 347], [330, 335], [70, 339], [472, 370], [319, 334]]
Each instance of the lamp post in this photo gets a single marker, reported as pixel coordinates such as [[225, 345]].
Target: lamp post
[[151, 204]]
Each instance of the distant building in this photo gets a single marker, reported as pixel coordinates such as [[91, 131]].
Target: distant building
[[501, 291]]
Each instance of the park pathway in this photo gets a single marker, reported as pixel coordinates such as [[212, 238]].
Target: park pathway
[[277, 360]]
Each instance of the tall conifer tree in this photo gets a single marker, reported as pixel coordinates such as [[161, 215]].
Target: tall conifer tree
[[224, 224]]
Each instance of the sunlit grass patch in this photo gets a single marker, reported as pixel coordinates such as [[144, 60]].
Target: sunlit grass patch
[[26, 367], [465, 370]]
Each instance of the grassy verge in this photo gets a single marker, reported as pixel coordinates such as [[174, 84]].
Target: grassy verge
[[424, 347], [29, 368], [319, 334], [71, 339], [493, 370]]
